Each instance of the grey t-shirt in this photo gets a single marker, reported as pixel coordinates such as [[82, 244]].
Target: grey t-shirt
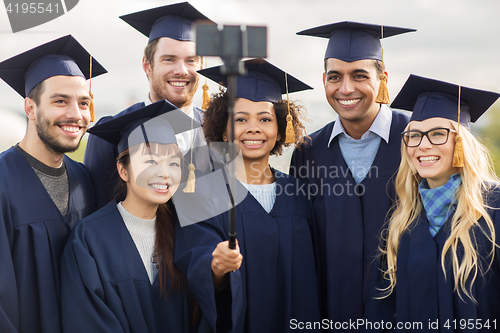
[[55, 180]]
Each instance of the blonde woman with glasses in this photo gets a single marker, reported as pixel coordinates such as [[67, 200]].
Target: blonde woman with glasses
[[439, 269]]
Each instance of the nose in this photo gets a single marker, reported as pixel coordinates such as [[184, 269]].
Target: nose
[[73, 111], [163, 169], [180, 68], [253, 127], [347, 86], [425, 143]]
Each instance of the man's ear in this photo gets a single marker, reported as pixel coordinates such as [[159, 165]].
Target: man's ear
[[122, 172], [30, 108], [324, 79], [146, 66]]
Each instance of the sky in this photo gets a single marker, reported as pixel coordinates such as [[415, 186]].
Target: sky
[[456, 41]]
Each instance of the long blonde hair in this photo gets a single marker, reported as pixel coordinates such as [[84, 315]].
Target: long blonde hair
[[478, 177]]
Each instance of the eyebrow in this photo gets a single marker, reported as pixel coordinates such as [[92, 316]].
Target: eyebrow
[[259, 113], [59, 95], [355, 71], [437, 127], [167, 56], [84, 97]]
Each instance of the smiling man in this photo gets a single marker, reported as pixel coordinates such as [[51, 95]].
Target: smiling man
[[350, 164], [170, 63], [43, 193]]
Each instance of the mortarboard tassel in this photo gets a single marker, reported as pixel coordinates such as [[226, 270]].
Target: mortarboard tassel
[[458, 153], [191, 181], [206, 96], [91, 106], [290, 133], [383, 91]]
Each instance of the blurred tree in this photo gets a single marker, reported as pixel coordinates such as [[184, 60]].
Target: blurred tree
[[77, 155], [489, 134]]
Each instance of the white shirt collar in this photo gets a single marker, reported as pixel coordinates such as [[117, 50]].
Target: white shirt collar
[[380, 126], [147, 102]]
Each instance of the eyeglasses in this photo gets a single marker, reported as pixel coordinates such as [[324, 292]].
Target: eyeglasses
[[436, 136]]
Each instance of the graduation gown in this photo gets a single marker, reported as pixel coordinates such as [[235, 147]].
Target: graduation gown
[[277, 280], [100, 158], [105, 286], [349, 216], [32, 236], [423, 294]]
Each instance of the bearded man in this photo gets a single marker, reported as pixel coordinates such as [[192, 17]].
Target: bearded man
[[170, 63], [43, 193]]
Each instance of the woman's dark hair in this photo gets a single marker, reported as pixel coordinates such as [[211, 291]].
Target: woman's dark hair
[[216, 118], [165, 226]]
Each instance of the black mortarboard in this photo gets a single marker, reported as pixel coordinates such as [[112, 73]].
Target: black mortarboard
[[63, 56], [158, 122], [263, 82], [173, 21], [429, 98], [352, 41]]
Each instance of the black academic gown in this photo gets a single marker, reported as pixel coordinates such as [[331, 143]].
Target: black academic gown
[[349, 216], [277, 280], [32, 236], [105, 286], [100, 157], [424, 296]]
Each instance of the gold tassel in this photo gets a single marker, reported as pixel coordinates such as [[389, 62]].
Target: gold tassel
[[290, 133], [91, 106], [191, 182], [458, 153], [206, 96], [383, 92]]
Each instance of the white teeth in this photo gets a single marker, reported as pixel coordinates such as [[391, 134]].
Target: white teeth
[[71, 129], [428, 159], [253, 143], [349, 101], [159, 186], [178, 84]]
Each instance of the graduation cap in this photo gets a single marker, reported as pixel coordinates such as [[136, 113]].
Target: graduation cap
[[263, 82], [429, 98], [352, 41], [62, 56], [173, 21], [158, 122]]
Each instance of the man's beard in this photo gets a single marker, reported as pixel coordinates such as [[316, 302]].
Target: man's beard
[[161, 87], [43, 126]]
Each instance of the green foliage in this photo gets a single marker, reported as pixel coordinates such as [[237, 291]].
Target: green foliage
[[489, 135], [77, 155]]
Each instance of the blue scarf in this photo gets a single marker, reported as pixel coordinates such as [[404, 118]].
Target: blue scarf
[[440, 202]]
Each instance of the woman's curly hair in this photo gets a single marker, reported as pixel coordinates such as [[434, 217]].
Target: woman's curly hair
[[216, 118]]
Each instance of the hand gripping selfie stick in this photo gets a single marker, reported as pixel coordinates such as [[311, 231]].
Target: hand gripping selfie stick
[[231, 43]]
